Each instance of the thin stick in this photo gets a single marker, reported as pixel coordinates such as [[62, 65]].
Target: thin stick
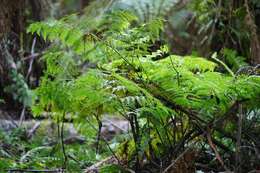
[[62, 141], [238, 143], [212, 145], [33, 130], [35, 55], [177, 72]]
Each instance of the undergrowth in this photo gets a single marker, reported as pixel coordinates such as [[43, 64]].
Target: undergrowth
[[174, 104], [43, 150]]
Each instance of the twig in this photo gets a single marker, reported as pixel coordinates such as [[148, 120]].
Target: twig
[[35, 55], [212, 145], [177, 72]]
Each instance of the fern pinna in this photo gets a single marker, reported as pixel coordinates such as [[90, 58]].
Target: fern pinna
[[109, 67]]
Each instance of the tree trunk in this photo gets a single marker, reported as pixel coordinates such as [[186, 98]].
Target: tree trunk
[[254, 43], [11, 29], [11, 17], [84, 3], [40, 9]]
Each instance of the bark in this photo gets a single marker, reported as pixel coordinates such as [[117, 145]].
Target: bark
[[11, 29], [254, 43], [40, 9], [84, 3], [11, 17]]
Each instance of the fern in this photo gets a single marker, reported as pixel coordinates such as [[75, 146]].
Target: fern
[[128, 81], [233, 60]]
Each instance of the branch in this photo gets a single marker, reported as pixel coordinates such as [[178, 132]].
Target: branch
[[238, 144], [212, 145]]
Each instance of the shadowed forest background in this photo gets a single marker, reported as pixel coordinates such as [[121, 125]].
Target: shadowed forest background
[[109, 86]]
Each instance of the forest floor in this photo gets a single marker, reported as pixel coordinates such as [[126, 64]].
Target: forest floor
[[19, 141]]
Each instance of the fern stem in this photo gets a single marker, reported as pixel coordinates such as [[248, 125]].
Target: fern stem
[[223, 64], [62, 141], [99, 133], [238, 143]]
